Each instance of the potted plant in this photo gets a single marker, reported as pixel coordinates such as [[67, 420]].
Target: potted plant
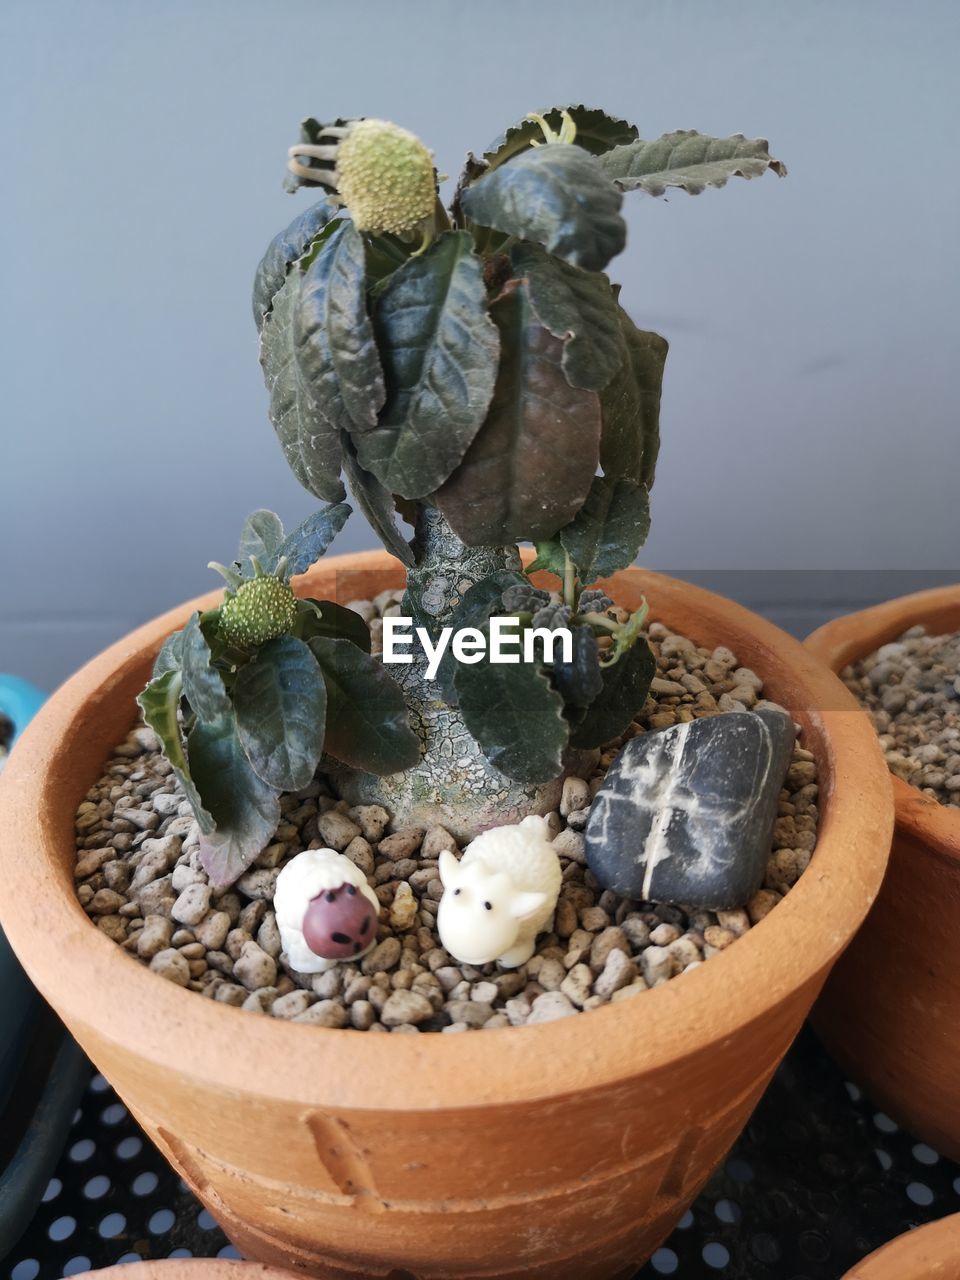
[[889, 1012], [468, 368], [925, 1253]]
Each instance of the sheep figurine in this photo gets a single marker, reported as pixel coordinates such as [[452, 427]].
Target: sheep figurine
[[326, 911], [500, 894]]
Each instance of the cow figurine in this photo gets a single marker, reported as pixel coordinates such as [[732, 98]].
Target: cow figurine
[[326, 911], [500, 894]]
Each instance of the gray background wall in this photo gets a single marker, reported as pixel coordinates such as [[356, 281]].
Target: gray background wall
[[810, 416]]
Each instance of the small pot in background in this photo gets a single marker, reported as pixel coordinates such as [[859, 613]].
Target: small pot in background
[[927, 1253]]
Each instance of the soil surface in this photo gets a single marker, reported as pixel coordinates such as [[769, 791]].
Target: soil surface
[[139, 879], [911, 688]]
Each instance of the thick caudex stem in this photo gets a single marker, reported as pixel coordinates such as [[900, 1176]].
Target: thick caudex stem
[[454, 785]]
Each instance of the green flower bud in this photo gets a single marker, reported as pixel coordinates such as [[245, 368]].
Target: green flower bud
[[385, 177], [261, 610]]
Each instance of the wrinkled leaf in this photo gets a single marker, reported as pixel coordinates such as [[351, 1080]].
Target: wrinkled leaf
[[310, 540], [280, 702], [367, 722], [202, 684], [580, 681], [578, 307], [327, 618], [556, 195], [333, 335], [689, 160], [376, 503], [596, 132], [530, 467], [245, 809], [310, 444], [159, 703], [439, 350], [283, 250], [260, 537], [630, 407], [609, 529], [516, 717], [168, 659], [625, 687], [477, 606]]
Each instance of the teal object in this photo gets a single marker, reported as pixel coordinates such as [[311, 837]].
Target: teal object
[[42, 1070]]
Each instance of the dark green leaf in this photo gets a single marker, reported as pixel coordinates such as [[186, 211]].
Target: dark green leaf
[[580, 308], [168, 659], [202, 684], [327, 618], [630, 406], [260, 537], [333, 335], [609, 529], [245, 809], [558, 196], [580, 681], [376, 503], [280, 702], [516, 716], [310, 443], [367, 722], [551, 558], [159, 703], [530, 467], [689, 160], [310, 540], [477, 606], [283, 250], [625, 687], [596, 132], [439, 350]]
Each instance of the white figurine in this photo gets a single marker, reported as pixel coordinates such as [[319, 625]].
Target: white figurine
[[326, 911], [500, 894]]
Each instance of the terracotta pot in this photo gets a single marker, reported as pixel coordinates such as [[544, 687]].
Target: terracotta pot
[[891, 1011], [927, 1253], [188, 1269], [564, 1151]]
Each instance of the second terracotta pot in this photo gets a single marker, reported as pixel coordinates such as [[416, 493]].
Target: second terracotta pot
[[928, 1253], [565, 1151], [890, 1013]]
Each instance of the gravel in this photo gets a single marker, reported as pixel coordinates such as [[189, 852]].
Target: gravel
[[911, 688], [139, 879]]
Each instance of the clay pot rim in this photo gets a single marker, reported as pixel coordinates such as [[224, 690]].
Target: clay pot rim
[[189, 1269], [937, 1242], [257, 1057], [853, 636]]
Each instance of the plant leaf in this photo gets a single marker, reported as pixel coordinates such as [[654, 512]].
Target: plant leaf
[[530, 467], [310, 540], [596, 132], [245, 809], [625, 687], [367, 722], [516, 716], [168, 659], [283, 250], [689, 160], [477, 606], [327, 618], [159, 703], [609, 529], [333, 335], [630, 407], [578, 307], [280, 702], [580, 681], [202, 685], [556, 195], [310, 443], [550, 558], [260, 536], [376, 503], [439, 350]]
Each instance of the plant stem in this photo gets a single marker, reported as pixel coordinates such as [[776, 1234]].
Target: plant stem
[[569, 582]]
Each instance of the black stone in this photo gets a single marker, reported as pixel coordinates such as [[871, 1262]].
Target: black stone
[[686, 814]]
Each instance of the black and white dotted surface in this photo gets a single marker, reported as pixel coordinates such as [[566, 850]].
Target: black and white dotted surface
[[818, 1179]]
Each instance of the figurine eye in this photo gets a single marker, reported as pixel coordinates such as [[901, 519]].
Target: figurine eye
[[331, 896], [456, 893], [351, 890], [488, 905]]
